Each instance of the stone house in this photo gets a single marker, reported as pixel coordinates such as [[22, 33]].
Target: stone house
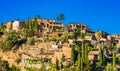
[[74, 26], [93, 55], [49, 24], [116, 36], [110, 38], [90, 38], [103, 39], [14, 25], [66, 50]]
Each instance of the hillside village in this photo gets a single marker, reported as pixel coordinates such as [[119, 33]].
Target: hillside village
[[39, 44]]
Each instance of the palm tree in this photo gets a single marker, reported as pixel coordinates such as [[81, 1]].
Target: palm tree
[[60, 17], [37, 17]]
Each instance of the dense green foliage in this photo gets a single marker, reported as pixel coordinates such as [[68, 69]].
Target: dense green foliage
[[3, 29], [101, 55], [4, 66], [10, 40], [31, 41], [73, 54], [63, 58], [14, 69], [60, 17], [114, 62], [57, 64]]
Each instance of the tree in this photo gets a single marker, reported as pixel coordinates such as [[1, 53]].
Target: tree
[[18, 60], [65, 37], [57, 64], [4, 66], [11, 26], [31, 41], [108, 67], [37, 17], [60, 17], [43, 68], [27, 32], [114, 62], [10, 40], [84, 57], [86, 53], [76, 33], [73, 54], [35, 22], [79, 62], [34, 69], [3, 29], [30, 28], [14, 69], [101, 55], [63, 58], [83, 52]]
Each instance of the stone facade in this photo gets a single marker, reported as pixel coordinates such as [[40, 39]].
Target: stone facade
[[75, 26], [93, 55], [116, 36], [49, 24], [14, 25]]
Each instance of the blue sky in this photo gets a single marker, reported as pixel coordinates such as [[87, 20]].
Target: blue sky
[[97, 14]]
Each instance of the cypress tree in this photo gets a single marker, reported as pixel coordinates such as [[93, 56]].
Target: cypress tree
[[114, 62], [73, 54], [11, 26], [63, 58], [57, 64], [108, 67], [83, 53], [86, 58], [79, 62], [83, 62], [101, 55]]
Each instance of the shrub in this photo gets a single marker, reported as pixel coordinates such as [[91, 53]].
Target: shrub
[[31, 41], [18, 60], [8, 43], [63, 58]]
